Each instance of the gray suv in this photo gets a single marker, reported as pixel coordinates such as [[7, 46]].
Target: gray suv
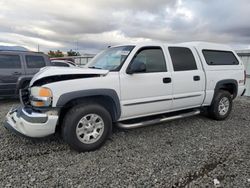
[[17, 68]]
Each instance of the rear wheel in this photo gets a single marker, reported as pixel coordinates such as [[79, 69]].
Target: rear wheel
[[86, 127], [221, 106]]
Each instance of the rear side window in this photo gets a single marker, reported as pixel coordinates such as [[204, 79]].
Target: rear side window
[[153, 58], [182, 58], [10, 62], [35, 61], [213, 57]]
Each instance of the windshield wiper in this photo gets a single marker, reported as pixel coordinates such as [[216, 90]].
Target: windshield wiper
[[93, 67]]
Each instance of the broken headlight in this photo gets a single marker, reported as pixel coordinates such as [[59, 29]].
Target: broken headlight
[[41, 97]]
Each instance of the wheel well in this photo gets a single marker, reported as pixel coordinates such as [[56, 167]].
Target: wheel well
[[25, 83], [106, 101], [22, 85], [230, 87]]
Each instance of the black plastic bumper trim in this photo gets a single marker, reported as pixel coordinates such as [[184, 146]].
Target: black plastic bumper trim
[[21, 114]]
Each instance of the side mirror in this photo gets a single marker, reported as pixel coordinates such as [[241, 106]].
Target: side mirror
[[136, 67]]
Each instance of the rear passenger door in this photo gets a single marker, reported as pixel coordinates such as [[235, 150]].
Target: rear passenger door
[[34, 63], [10, 70], [188, 78]]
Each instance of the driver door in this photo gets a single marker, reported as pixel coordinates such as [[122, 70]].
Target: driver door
[[148, 92]]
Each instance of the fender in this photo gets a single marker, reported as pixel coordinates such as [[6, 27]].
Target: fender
[[21, 81], [67, 97], [221, 84]]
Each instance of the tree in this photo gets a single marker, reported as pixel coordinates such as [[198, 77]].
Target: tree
[[73, 53], [56, 53]]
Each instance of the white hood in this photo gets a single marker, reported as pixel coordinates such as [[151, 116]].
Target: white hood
[[54, 71]]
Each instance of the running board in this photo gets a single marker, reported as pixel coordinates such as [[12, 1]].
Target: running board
[[156, 121]]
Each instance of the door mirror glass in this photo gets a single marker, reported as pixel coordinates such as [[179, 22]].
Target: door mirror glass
[[136, 67]]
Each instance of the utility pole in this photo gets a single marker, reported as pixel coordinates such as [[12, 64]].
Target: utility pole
[[38, 48]]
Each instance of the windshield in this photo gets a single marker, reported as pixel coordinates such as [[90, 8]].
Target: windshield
[[111, 59]]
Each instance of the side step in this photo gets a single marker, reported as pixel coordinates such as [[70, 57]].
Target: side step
[[157, 120]]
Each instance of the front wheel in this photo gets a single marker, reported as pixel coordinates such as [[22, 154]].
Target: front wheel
[[221, 106], [86, 127]]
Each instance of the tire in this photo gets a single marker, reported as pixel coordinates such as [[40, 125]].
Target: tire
[[83, 123], [216, 111]]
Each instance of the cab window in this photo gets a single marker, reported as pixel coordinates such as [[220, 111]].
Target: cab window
[[153, 58], [182, 59]]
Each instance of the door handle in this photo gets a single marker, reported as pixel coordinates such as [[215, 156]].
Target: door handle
[[166, 80], [17, 73], [196, 78]]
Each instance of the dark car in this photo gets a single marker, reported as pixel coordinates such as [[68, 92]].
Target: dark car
[[17, 69]]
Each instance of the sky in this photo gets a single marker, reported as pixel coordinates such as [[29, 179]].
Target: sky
[[91, 25]]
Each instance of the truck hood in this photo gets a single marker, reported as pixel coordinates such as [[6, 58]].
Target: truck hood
[[53, 74]]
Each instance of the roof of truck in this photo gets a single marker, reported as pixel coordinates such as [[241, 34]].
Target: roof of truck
[[206, 45], [198, 44]]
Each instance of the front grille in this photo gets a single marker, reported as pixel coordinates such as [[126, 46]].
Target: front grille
[[24, 96]]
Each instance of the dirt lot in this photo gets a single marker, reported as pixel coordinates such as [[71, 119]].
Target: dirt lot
[[192, 152]]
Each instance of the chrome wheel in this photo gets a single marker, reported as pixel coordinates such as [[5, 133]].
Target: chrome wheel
[[224, 106], [90, 128]]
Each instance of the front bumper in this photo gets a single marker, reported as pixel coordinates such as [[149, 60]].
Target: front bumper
[[28, 123]]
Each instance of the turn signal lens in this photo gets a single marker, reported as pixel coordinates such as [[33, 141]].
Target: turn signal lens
[[45, 92], [38, 103]]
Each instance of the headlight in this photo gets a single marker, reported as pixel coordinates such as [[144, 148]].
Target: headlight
[[41, 96]]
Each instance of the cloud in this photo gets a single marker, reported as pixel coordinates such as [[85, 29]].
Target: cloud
[[93, 25]]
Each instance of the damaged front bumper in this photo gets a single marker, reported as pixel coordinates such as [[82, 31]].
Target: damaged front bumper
[[26, 122]]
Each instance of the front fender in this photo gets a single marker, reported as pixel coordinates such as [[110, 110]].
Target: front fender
[[67, 97]]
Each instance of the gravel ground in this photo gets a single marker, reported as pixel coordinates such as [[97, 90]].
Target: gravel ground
[[192, 152]]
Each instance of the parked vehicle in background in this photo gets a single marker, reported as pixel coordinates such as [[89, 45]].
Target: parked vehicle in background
[[17, 69], [63, 58], [129, 86], [80, 61], [63, 63]]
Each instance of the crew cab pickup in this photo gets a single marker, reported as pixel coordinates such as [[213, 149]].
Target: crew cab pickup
[[129, 86]]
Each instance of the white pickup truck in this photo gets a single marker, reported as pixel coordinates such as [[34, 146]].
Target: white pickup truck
[[129, 86]]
